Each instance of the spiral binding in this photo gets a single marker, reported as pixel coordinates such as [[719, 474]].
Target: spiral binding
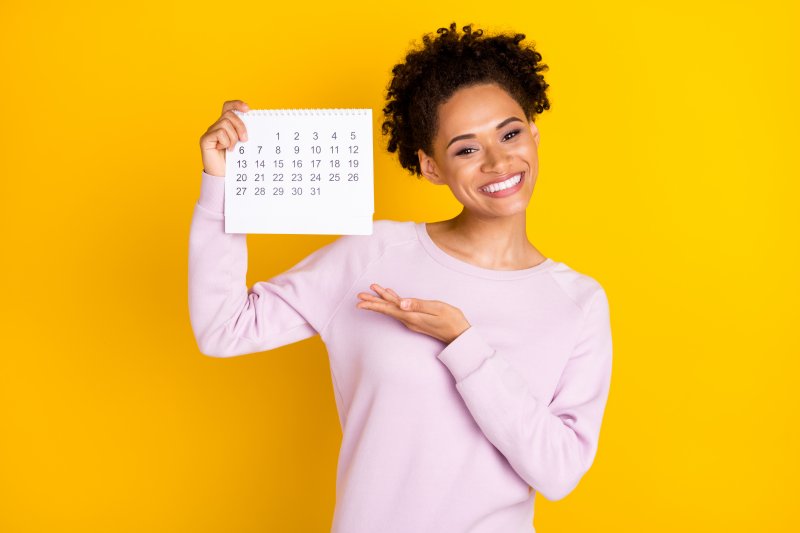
[[305, 111]]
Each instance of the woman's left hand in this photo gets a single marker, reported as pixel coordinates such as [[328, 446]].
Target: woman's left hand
[[431, 317]]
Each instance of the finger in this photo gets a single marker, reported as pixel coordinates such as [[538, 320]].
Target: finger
[[234, 104], [229, 129], [237, 123], [393, 293], [369, 297], [419, 306], [383, 307], [212, 140], [223, 141], [385, 294]]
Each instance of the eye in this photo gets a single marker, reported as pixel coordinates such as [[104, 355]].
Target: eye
[[511, 134], [464, 151]]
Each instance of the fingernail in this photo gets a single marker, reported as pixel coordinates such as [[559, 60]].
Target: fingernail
[[404, 304]]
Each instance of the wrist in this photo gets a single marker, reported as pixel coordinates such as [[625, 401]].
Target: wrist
[[461, 329]]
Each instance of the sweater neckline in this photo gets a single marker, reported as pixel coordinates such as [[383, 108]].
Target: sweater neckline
[[460, 265]]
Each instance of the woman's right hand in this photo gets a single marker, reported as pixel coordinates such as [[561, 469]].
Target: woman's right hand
[[221, 135]]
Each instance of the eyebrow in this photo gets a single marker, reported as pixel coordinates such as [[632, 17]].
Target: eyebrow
[[472, 135]]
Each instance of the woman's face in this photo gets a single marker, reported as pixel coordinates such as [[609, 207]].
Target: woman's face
[[483, 138]]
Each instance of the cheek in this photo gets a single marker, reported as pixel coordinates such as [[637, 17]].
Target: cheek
[[467, 171], [457, 169], [529, 155], [526, 150]]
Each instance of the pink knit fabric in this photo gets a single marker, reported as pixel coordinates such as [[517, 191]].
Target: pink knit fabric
[[435, 438]]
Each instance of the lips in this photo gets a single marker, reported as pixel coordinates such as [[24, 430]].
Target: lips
[[503, 178]]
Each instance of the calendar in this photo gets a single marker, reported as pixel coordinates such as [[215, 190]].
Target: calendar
[[301, 171]]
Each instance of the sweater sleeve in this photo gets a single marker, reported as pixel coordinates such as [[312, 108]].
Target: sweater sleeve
[[551, 446], [226, 316]]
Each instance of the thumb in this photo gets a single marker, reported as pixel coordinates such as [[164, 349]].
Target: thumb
[[415, 304]]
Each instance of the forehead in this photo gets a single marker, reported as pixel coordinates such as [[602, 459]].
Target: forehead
[[475, 108]]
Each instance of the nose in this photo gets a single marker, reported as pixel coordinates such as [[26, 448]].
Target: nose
[[496, 160]]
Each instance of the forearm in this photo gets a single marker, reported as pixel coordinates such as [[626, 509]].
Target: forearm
[[550, 447]]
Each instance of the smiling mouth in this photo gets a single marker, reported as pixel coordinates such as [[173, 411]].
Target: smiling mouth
[[503, 184]]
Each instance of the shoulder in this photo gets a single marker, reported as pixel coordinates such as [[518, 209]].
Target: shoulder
[[583, 289], [357, 252], [394, 231], [385, 233]]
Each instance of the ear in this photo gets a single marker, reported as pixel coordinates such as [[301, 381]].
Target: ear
[[428, 168], [535, 132]]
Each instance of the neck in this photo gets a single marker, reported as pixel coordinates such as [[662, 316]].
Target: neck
[[499, 242]]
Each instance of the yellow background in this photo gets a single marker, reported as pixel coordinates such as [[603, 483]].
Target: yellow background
[[668, 172]]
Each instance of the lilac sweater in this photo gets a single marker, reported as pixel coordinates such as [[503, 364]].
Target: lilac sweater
[[436, 438]]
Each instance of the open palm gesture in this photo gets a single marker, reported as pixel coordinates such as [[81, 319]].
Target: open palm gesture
[[431, 317]]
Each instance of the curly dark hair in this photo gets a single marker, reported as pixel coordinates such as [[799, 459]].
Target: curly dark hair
[[429, 76]]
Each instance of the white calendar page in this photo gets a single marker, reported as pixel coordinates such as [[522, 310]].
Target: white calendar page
[[301, 171]]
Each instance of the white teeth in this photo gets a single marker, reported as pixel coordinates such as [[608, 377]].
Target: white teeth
[[510, 182]]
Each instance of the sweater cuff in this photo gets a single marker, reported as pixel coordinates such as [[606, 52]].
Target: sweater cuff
[[465, 353], [212, 193]]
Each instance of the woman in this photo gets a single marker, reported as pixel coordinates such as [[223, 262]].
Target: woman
[[492, 383]]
